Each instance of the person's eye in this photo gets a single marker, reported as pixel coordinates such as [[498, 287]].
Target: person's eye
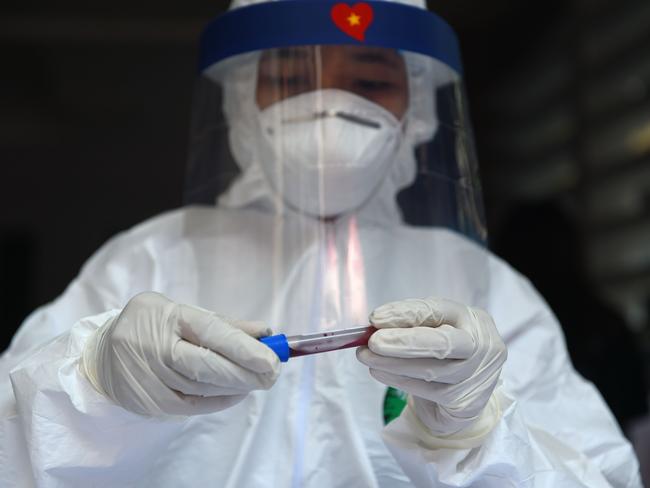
[[295, 81], [286, 81], [374, 85]]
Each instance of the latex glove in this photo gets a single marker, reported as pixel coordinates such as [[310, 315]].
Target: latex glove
[[448, 357], [161, 358]]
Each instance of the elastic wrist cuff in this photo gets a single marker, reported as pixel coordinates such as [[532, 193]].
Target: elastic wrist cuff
[[89, 357], [469, 437]]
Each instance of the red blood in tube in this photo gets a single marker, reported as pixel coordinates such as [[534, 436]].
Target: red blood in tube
[[361, 341]]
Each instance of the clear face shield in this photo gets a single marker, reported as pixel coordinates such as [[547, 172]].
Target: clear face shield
[[339, 157]]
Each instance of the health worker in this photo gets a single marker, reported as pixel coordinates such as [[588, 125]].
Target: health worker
[[332, 182]]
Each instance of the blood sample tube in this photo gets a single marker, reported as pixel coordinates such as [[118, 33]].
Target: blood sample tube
[[302, 345]]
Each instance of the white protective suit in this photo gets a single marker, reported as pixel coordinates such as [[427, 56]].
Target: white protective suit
[[321, 424]]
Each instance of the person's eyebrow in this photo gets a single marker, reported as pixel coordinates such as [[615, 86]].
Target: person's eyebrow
[[291, 52], [375, 57], [283, 53]]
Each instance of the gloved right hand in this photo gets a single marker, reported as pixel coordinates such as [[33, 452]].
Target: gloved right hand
[[158, 358], [448, 357]]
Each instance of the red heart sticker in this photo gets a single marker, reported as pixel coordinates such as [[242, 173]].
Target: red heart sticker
[[352, 20]]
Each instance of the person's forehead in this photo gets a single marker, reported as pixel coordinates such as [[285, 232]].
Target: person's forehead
[[357, 54]]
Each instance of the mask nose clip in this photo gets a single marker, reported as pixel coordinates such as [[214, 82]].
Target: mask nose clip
[[323, 114], [358, 120]]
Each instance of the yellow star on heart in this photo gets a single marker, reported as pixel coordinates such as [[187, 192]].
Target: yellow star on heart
[[354, 19]]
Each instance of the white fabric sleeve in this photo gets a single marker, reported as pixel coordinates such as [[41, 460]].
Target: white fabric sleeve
[[71, 434], [555, 429], [55, 429], [518, 453]]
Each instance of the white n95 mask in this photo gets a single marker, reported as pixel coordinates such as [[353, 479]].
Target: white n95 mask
[[325, 152]]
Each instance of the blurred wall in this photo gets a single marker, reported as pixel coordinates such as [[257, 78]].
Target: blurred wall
[[572, 123], [94, 112]]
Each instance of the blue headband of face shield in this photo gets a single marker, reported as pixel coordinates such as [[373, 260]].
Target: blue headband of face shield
[[310, 22]]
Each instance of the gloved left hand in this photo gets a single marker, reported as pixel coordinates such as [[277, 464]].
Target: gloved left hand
[[159, 358], [448, 357]]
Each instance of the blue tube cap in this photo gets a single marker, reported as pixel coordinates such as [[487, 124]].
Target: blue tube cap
[[279, 344]]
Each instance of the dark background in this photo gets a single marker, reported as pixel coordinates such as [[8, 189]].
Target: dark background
[[94, 113]]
